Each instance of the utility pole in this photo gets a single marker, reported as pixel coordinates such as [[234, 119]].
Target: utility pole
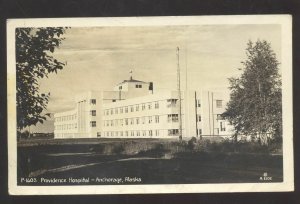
[[179, 96]]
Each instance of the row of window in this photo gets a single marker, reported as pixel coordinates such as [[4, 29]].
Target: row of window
[[65, 118], [140, 120], [132, 121], [66, 126], [150, 133], [132, 108]]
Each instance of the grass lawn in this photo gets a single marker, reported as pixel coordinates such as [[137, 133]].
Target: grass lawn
[[86, 159]]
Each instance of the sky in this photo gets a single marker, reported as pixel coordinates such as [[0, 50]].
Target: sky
[[98, 58]]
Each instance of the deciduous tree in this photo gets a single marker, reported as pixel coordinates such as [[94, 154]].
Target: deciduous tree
[[34, 60], [255, 107]]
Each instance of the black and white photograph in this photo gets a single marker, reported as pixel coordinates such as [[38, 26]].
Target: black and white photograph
[[150, 105]]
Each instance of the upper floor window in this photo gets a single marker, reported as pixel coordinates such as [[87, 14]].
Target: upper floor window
[[138, 86], [126, 109], [121, 110], [93, 101], [173, 118], [156, 105], [93, 112], [171, 103], [219, 117], [93, 123], [131, 108], [149, 106], [116, 110], [137, 107], [111, 111], [219, 103], [198, 104], [198, 118], [143, 106], [156, 119]]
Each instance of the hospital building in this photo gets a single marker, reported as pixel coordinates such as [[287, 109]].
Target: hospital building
[[133, 109]]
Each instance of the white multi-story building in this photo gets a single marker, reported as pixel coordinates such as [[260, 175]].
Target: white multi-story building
[[133, 109]]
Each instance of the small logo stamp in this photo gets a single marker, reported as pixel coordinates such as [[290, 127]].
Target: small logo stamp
[[265, 177]]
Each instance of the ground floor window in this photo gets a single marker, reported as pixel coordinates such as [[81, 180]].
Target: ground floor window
[[173, 132]]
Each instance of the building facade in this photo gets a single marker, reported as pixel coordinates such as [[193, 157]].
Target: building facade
[[133, 109]]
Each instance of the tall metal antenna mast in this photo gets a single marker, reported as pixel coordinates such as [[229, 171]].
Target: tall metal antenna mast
[[179, 96]]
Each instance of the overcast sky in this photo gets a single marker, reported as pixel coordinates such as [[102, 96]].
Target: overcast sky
[[100, 57]]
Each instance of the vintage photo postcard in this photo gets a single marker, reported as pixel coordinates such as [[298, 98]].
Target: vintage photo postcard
[[142, 105]]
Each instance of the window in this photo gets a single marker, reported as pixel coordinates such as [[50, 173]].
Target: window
[[171, 103], [126, 109], [116, 122], [93, 112], [219, 117], [126, 133], [199, 131], [93, 101], [156, 106], [137, 121], [198, 118], [126, 121], [131, 108], [93, 123], [138, 133], [120, 87], [121, 122], [144, 133], [222, 126], [143, 106], [111, 123], [150, 132], [173, 118], [137, 107], [150, 119], [121, 110], [173, 132], [198, 103], [131, 133], [116, 111], [156, 132], [131, 121], [138, 86], [156, 119], [219, 103], [111, 111], [107, 112], [143, 120], [149, 106], [121, 133]]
